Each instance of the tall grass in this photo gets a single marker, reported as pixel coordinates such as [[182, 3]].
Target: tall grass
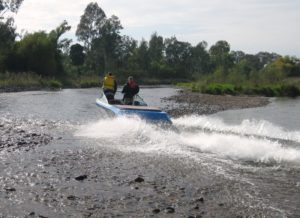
[[32, 81], [20, 80], [290, 90]]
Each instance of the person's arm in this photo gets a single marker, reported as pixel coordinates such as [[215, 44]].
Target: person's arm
[[115, 86], [103, 81], [124, 88], [136, 90]]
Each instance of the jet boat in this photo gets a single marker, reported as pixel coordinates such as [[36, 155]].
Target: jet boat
[[139, 108]]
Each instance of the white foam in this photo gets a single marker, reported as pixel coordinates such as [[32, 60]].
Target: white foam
[[247, 127], [135, 135], [245, 148]]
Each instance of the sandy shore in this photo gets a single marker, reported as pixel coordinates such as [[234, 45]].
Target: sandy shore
[[187, 102]]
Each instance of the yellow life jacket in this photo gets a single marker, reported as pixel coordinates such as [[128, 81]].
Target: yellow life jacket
[[109, 82]]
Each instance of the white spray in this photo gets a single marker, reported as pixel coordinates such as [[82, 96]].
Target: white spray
[[233, 142]]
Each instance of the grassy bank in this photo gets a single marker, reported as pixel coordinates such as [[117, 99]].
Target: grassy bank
[[275, 90], [10, 82], [30, 81], [21, 81]]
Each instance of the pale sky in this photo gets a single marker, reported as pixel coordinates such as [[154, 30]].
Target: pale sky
[[248, 25]]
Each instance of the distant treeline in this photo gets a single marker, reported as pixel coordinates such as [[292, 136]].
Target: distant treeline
[[104, 49]]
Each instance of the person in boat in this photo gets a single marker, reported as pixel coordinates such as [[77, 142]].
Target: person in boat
[[130, 89], [109, 86]]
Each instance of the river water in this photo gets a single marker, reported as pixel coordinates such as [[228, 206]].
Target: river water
[[243, 162]]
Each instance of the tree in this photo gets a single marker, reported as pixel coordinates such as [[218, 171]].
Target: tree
[[57, 33], [77, 55], [142, 54], [7, 38], [59, 45], [40, 52], [178, 57], [220, 48], [101, 37], [35, 53], [156, 49], [266, 57], [138, 62], [7, 34], [220, 56], [91, 22], [271, 74], [287, 65], [125, 49], [200, 60], [237, 56], [9, 5], [109, 41], [7, 30]]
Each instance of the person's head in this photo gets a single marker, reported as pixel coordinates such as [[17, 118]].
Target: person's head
[[130, 79], [109, 73]]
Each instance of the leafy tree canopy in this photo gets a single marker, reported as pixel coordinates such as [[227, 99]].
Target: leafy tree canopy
[[220, 48], [91, 22], [55, 35], [7, 34], [9, 5], [156, 47], [76, 54]]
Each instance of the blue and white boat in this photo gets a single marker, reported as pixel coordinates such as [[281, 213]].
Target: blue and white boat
[[138, 108]]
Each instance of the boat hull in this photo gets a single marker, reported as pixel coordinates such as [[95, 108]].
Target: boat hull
[[144, 112]]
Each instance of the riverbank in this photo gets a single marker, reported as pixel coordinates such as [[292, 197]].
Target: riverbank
[[29, 81], [187, 102]]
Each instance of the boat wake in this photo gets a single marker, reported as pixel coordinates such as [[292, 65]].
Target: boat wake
[[253, 128], [198, 136]]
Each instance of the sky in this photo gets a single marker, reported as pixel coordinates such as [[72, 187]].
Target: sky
[[247, 25]]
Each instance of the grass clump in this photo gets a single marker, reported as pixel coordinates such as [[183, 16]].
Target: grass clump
[[219, 89], [89, 81], [54, 84], [20, 80]]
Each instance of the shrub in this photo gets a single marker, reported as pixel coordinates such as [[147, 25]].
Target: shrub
[[54, 84], [289, 90], [219, 89], [89, 84], [272, 91], [89, 81], [266, 91]]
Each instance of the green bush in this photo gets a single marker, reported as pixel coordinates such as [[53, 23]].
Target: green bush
[[89, 84], [89, 81], [289, 90], [266, 91], [219, 89], [273, 91], [54, 84]]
